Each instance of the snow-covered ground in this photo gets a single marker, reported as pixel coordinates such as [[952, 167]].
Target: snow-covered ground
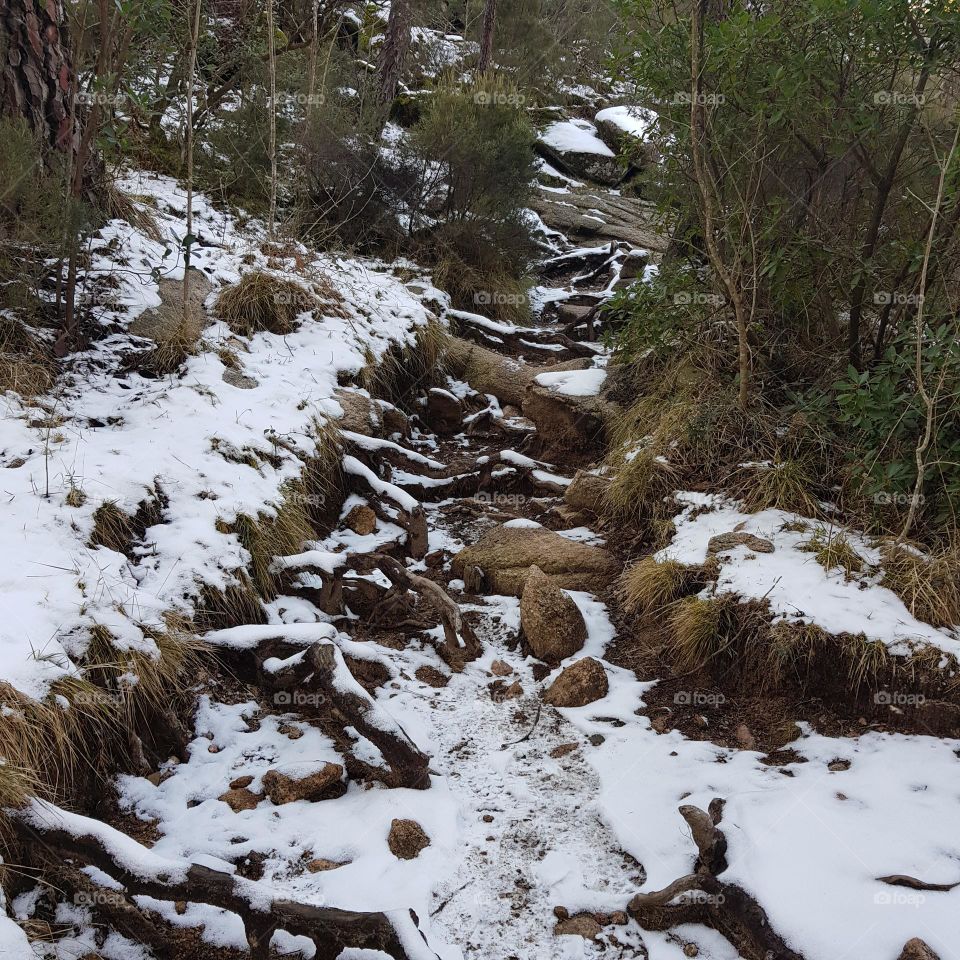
[[112, 437]]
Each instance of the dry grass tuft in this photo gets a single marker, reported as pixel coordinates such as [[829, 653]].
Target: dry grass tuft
[[401, 370], [26, 365], [927, 583], [783, 484], [112, 528], [832, 551], [649, 586], [175, 341], [232, 606], [266, 302]]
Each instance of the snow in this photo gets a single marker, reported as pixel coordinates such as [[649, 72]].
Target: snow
[[575, 136], [112, 436], [791, 580], [574, 383], [632, 120]]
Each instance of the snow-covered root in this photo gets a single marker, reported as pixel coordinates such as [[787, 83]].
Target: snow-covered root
[[49, 832], [701, 897], [317, 679]]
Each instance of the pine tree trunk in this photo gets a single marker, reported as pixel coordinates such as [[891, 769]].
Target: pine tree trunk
[[486, 36], [395, 47], [35, 71]]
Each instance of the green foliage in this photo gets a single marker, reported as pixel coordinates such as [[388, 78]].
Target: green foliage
[[825, 126], [475, 150]]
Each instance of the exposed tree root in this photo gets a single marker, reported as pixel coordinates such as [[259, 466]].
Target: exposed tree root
[[702, 898], [46, 831], [320, 671]]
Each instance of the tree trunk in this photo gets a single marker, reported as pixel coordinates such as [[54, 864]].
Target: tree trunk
[[486, 36], [395, 47], [36, 72]]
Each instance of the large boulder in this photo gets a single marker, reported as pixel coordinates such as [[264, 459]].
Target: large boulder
[[917, 949], [625, 130], [581, 683], [551, 621], [505, 554], [573, 147], [587, 492], [568, 410]]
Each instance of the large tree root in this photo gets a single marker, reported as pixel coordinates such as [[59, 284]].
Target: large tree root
[[702, 898], [318, 682], [47, 831]]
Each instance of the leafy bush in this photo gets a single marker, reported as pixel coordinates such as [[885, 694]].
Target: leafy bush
[[475, 147]]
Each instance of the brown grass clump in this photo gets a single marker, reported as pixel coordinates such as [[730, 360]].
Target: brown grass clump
[[266, 302], [26, 366], [112, 528], [833, 551], [784, 485], [403, 369], [927, 583], [651, 585]]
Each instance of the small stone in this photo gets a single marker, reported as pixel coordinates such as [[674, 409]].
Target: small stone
[[361, 520], [322, 784], [321, 864], [838, 765], [743, 736], [290, 731], [917, 949], [619, 918], [213, 748], [406, 839], [563, 750], [582, 925], [240, 799], [499, 691], [241, 782], [561, 913], [691, 950], [488, 818], [180, 906], [727, 541], [597, 738], [500, 669], [431, 676], [581, 683]]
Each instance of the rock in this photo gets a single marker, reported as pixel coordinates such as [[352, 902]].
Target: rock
[[565, 422], [618, 918], [322, 784], [360, 413], [581, 683], [500, 669], [504, 555], [240, 798], [499, 691], [406, 839], [583, 925], [444, 411], [241, 782], [320, 865], [563, 750], [236, 378], [572, 312], [917, 949], [573, 147], [738, 538], [634, 265], [745, 739], [588, 491], [551, 621], [431, 676], [361, 520], [603, 217], [167, 321]]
